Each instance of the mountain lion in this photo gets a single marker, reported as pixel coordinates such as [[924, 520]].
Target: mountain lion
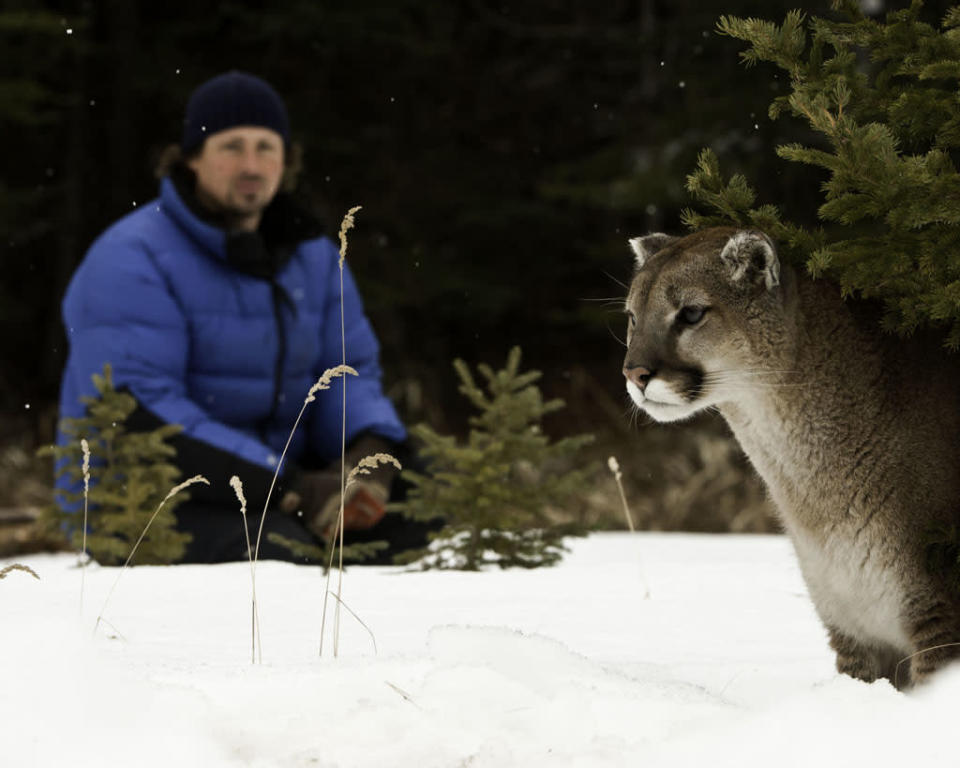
[[854, 432]]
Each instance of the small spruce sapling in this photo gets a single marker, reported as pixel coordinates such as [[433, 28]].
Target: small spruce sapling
[[130, 474], [357, 552], [496, 491]]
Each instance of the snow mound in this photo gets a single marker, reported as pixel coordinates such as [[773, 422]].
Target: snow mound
[[653, 650]]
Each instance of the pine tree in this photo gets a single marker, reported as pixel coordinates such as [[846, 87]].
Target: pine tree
[[130, 473], [357, 552], [881, 98], [495, 492]]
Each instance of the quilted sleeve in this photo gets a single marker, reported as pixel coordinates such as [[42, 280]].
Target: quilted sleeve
[[120, 310]]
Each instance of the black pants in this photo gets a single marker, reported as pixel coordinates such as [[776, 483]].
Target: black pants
[[212, 515], [218, 535]]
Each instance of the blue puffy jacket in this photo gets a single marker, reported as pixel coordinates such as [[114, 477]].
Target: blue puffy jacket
[[227, 355]]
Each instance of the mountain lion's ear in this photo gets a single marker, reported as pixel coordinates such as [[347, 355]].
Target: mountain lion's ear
[[646, 246], [751, 255]]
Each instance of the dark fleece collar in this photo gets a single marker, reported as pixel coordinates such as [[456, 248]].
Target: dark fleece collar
[[262, 253]]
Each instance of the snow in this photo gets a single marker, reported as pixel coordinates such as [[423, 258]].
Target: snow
[[724, 664]]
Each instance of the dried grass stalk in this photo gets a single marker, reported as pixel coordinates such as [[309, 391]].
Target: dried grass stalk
[[85, 446], [328, 376], [18, 567], [345, 226], [369, 463], [322, 383], [238, 490], [254, 617], [905, 659], [173, 492], [614, 466], [360, 621], [364, 467]]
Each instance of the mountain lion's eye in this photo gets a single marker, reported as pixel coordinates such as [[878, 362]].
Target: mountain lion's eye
[[691, 315], [633, 319]]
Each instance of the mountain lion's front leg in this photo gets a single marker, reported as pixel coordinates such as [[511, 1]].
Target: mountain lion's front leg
[[865, 662], [934, 632]]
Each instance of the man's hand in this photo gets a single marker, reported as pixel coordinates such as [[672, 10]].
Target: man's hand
[[317, 494]]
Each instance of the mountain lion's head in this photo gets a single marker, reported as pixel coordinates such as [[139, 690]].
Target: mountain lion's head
[[706, 320]]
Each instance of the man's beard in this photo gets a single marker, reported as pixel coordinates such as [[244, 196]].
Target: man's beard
[[231, 212]]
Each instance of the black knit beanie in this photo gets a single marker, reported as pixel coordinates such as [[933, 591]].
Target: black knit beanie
[[230, 100]]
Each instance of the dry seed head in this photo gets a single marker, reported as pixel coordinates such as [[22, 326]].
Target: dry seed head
[[192, 481], [345, 226], [614, 466], [238, 489], [86, 463], [18, 567], [368, 463], [324, 381]]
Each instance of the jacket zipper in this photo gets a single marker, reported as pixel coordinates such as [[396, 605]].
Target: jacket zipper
[[278, 296]]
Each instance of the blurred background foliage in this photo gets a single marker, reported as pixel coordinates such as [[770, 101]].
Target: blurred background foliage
[[503, 152]]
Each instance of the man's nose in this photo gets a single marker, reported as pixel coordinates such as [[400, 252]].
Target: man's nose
[[638, 375], [250, 162]]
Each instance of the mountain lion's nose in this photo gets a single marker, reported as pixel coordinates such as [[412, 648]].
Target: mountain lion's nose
[[638, 375]]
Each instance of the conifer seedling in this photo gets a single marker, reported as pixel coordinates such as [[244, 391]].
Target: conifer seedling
[[130, 474], [496, 491]]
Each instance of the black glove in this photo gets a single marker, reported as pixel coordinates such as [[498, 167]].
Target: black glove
[[316, 494]]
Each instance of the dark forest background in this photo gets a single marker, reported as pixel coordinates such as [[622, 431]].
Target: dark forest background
[[503, 152]]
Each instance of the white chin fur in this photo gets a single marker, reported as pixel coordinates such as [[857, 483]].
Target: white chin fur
[[659, 411], [635, 394]]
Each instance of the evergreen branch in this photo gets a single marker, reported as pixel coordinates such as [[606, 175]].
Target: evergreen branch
[[952, 18]]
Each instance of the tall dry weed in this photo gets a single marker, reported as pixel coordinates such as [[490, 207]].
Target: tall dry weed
[[173, 492], [345, 226], [17, 567], [323, 383], [614, 466], [237, 486], [85, 447]]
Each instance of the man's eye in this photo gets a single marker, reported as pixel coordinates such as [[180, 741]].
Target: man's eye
[[691, 315]]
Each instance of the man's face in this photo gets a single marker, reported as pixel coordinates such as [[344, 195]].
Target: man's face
[[238, 172]]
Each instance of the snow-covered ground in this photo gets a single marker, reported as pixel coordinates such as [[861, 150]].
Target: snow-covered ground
[[723, 663]]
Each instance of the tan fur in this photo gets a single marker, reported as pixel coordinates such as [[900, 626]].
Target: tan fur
[[854, 432]]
